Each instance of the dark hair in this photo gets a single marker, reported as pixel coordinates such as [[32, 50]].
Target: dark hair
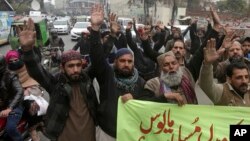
[[235, 65], [178, 40], [27, 104], [247, 39]]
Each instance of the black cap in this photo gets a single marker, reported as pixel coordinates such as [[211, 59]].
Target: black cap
[[246, 39]]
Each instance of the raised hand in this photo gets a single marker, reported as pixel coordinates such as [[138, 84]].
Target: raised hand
[[216, 19], [210, 53], [114, 26], [228, 40], [97, 16], [113, 17], [27, 36]]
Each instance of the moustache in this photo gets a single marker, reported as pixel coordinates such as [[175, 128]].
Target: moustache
[[125, 68], [177, 53], [244, 85], [75, 74], [172, 73]]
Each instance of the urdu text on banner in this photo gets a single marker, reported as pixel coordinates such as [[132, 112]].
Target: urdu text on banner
[[151, 121]]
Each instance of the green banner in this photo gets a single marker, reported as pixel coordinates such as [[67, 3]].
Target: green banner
[[150, 121]]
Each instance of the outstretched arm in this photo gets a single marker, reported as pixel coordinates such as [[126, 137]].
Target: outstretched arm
[[130, 41], [27, 39], [152, 54], [77, 45], [213, 90], [97, 55]]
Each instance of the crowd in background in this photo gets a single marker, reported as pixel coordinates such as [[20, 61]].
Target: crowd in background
[[216, 59]]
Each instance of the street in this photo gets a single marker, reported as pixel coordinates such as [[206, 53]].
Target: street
[[202, 98], [66, 38]]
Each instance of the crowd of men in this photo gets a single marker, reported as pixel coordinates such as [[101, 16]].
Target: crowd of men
[[216, 59]]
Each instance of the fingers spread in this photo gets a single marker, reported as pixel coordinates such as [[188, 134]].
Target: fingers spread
[[25, 25], [213, 44], [208, 45]]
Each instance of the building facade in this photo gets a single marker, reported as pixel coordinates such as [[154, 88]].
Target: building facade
[[80, 7]]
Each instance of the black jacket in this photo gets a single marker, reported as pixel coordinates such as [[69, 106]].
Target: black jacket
[[197, 41], [109, 92], [11, 91], [146, 67], [195, 63], [59, 88], [83, 44]]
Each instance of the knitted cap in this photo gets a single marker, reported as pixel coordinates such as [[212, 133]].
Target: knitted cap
[[122, 52], [70, 55], [11, 54]]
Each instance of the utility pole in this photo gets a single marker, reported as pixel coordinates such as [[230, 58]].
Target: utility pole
[[41, 2]]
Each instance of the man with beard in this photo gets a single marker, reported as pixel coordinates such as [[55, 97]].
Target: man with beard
[[235, 91], [71, 111], [121, 79], [175, 83], [235, 54]]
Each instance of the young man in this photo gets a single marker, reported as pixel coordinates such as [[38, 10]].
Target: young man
[[71, 111], [246, 47]]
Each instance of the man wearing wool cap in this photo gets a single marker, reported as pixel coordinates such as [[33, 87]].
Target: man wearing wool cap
[[121, 79], [71, 111], [175, 83]]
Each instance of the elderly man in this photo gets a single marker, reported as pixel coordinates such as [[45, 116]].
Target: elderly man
[[71, 111], [175, 82], [235, 91]]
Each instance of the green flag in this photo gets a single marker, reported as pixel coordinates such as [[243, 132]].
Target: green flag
[[151, 121]]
